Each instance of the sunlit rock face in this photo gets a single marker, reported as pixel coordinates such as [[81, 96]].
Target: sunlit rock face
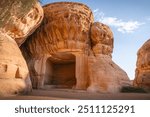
[[61, 40], [65, 28], [142, 74], [14, 75], [69, 50], [105, 75], [18, 19], [102, 39]]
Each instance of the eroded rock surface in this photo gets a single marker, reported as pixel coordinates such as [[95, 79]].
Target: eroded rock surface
[[20, 18], [102, 39], [142, 76], [105, 75], [62, 38], [70, 50], [14, 75]]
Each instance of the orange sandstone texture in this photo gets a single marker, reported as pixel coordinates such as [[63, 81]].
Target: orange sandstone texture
[[142, 76], [69, 50], [19, 19], [105, 75], [14, 75]]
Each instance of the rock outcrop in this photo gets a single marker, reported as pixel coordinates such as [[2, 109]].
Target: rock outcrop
[[63, 37], [105, 75], [102, 39], [14, 75], [142, 73], [70, 50], [18, 19]]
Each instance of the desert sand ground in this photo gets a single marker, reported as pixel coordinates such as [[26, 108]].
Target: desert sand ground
[[65, 94]]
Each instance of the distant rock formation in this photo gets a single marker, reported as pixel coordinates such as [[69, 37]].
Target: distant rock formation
[[70, 50], [142, 73], [18, 19]]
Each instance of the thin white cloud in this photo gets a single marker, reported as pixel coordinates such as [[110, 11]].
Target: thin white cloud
[[122, 26]]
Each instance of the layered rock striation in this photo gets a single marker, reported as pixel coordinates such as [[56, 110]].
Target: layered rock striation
[[142, 73]]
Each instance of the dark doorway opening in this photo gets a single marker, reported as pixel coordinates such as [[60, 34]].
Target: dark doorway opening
[[60, 73]]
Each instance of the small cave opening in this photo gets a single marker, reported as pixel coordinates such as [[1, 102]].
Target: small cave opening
[[60, 73]]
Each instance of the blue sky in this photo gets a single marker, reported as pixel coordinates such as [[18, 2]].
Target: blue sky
[[130, 23]]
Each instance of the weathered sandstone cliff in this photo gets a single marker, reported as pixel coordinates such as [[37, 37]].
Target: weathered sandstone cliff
[[105, 75], [18, 19], [14, 75], [70, 50], [142, 75]]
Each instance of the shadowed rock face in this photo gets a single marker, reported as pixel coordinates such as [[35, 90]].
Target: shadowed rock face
[[142, 76], [70, 50], [18, 19]]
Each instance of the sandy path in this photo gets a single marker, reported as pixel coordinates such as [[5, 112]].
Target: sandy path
[[61, 94]]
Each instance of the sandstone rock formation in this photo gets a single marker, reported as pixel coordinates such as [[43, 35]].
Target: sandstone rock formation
[[70, 50], [142, 75], [18, 19], [62, 38], [105, 75], [14, 75], [102, 39]]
